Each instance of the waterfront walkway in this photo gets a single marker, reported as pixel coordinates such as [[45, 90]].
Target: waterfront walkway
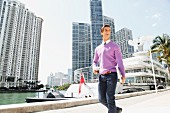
[[150, 103]]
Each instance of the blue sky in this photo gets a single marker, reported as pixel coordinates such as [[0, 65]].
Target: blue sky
[[143, 17]]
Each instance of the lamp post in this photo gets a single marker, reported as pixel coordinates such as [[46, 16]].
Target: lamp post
[[149, 40], [153, 71], [139, 43]]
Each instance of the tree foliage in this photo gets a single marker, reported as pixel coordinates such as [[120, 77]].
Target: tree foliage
[[161, 45]]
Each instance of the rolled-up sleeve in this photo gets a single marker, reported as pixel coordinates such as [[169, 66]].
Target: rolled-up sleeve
[[119, 60]]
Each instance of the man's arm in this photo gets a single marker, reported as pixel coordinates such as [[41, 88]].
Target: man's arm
[[119, 60], [95, 62]]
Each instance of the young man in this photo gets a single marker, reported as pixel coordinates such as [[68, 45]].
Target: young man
[[108, 55]]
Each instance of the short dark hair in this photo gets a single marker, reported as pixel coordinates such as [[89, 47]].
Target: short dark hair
[[102, 29]]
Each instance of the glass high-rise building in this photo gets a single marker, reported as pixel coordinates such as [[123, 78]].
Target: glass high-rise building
[[122, 37], [110, 21], [20, 37], [96, 14], [81, 46]]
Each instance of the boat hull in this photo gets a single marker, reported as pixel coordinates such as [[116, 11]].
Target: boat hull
[[31, 100]]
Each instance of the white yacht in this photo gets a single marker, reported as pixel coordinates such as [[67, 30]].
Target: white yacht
[[87, 90], [139, 71]]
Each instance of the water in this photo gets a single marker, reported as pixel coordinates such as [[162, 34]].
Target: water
[[16, 98]]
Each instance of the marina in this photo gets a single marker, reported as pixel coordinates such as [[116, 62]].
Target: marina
[[143, 70]]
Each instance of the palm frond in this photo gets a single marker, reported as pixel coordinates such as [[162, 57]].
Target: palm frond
[[159, 58], [161, 44], [156, 41], [154, 46], [160, 39], [168, 43], [155, 51], [166, 36]]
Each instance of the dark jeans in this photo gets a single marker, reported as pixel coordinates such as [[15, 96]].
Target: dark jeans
[[106, 89]]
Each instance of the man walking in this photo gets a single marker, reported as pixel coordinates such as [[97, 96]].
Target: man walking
[[107, 56]]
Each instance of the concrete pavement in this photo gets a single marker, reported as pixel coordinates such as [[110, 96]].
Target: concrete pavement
[[150, 103]]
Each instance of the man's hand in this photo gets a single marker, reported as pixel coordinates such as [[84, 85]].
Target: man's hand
[[95, 71], [123, 79]]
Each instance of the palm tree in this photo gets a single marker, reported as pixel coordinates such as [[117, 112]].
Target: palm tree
[[161, 45]]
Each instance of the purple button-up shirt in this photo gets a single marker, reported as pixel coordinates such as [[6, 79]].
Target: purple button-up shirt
[[108, 56]]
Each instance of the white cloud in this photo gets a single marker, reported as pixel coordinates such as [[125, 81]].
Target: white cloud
[[157, 16], [155, 24]]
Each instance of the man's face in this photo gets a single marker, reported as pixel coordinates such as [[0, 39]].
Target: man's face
[[106, 33]]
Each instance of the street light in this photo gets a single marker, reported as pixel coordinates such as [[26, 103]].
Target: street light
[[149, 40], [139, 43]]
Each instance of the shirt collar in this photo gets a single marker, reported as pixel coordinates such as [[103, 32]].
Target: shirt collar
[[106, 42]]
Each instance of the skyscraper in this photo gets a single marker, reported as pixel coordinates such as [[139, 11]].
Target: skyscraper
[[110, 21], [20, 37], [81, 46], [96, 22], [70, 75], [122, 37]]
